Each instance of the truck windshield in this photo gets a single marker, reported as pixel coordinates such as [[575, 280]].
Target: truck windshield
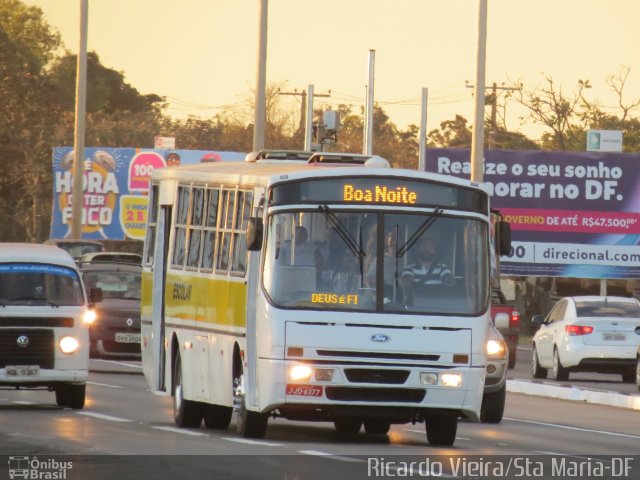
[[39, 284], [376, 261]]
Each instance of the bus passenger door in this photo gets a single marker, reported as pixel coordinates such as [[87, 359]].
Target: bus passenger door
[[159, 347]]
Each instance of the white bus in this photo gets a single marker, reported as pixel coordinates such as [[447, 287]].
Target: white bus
[[301, 290], [44, 322]]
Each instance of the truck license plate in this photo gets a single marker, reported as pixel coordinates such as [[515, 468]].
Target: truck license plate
[[22, 370], [304, 390], [128, 337]]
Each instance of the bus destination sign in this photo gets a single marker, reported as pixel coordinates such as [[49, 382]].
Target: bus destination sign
[[379, 194]]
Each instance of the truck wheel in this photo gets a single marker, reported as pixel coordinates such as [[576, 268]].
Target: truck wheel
[[349, 426], [61, 395], [441, 430], [536, 370], [75, 396], [492, 407], [186, 413], [377, 427]]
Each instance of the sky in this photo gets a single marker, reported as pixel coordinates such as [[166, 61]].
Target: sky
[[202, 54]]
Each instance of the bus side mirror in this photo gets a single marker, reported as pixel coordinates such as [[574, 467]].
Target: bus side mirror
[[95, 295], [504, 238], [255, 228]]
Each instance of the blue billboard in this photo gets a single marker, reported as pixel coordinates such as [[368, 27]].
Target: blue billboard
[[572, 214], [115, 186]]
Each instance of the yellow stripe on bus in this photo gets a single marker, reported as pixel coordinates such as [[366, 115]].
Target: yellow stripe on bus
[[216, 301]]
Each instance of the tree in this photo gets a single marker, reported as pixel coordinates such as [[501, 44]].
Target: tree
[[107, 91], [452, 133], [548, 106], [28, 114]]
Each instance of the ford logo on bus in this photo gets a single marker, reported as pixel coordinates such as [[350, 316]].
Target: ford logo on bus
[[379, 338]]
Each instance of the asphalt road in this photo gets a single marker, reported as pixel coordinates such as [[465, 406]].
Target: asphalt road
[[124, 431]]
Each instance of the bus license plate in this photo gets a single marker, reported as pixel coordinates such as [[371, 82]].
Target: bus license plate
[[614, 336], [304, 390], [22, 370], [128, 337]]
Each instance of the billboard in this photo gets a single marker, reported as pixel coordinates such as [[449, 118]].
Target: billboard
[[116, 183], [572, 214]]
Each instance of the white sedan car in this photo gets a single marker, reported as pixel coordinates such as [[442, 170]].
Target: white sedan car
[[588, 334]]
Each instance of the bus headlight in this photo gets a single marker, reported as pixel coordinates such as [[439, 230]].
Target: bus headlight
[[496, 348], [89, 316], [300, 372], [451, 380], [68, 345]]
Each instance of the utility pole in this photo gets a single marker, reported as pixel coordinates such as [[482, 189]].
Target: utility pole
[[261, 80], [303, 106], [493, 100], [77, 198], [477, 136]]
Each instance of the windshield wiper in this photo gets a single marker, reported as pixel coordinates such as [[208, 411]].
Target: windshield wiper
[[418, 233], [39, 299], [342, 232]]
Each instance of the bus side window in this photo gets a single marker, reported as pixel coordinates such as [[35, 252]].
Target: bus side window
[[212, 197], [179, 241], [224, 233], [239, 256], [195, 227]]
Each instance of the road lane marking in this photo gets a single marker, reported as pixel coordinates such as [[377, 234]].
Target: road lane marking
[[104, 385], [123, 364], [181, 430], [340, 458], [103, 417], [23, 402], [578, 429], [253, 442]]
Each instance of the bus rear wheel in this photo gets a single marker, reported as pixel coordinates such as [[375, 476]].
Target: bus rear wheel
[[186, 413], [217, 417], [441, 430]]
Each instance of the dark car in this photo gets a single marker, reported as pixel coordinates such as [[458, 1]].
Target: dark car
[[116, 329], [77, 248], [506, 319], [110, 257]]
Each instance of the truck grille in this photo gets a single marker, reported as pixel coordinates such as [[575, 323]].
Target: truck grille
[[398, 395], [38, 351], [362, 375]]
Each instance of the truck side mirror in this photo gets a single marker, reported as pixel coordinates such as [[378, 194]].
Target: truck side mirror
[[255, 228], [504, 238], [95, 295], [537, 319]]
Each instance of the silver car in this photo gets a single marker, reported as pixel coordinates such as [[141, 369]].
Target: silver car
[[495, 384]]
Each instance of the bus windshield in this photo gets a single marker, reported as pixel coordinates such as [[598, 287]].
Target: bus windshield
[[374, 261], [39, 284]]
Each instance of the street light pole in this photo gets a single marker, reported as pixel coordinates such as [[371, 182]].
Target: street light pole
[[80, 118], [261, 81], [477, 153]]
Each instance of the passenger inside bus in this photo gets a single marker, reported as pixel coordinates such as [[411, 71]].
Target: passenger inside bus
[[300, 252], [426, 272]]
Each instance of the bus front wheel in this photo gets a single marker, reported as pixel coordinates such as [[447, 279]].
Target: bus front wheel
[[249, 424]]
